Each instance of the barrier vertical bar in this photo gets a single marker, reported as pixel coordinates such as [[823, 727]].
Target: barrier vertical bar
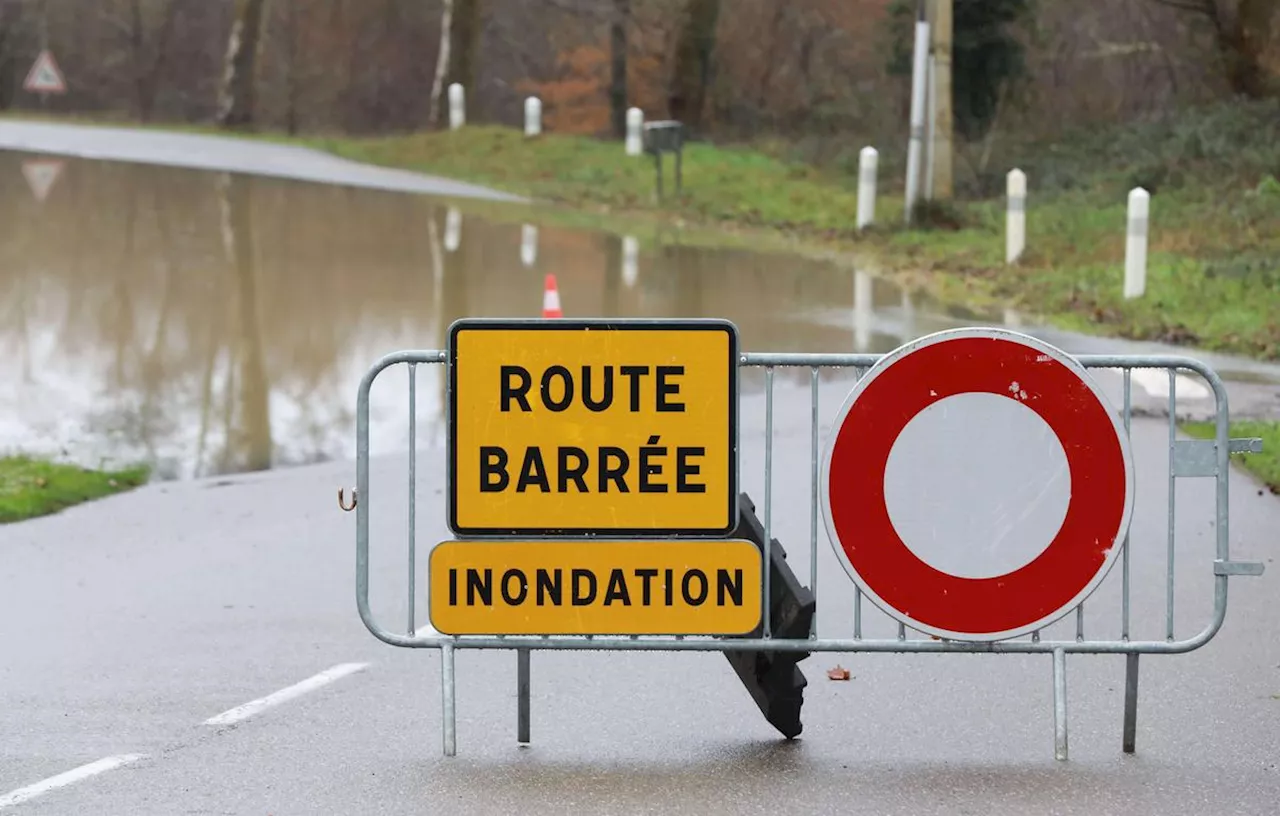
[[448, 701], [1059, 704], [522, 693], [1130, 738], [858, 374], [413, 480], [1222, 512], [1124, 554], [1173, 438], [813, 499], [768, 500]]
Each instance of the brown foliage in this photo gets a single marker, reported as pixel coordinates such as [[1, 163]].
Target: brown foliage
[[811, 71], [575, 102]]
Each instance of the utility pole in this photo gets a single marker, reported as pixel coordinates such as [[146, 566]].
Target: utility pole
[[938, 14], [919, 98]]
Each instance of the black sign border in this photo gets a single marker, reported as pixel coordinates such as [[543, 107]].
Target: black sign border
[[593, 324]]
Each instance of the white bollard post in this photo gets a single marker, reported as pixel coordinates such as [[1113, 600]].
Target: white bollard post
[[457, 106], [1015, 235], [532, 116], [635, 128], [1135, 245], [528, 244], [630, 260], [868, 160], [452, 229]]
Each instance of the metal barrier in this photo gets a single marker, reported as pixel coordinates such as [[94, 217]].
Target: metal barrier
[[1187, 459]]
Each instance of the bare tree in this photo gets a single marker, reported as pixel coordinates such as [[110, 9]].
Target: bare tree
[[1242, 29], [293, 33], [8, 60], [618, 63], [147, 72], [465, 26], [687, 94], [237, 97], [442, 63]]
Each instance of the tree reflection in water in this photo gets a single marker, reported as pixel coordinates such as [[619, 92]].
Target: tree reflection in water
[[215, 323]]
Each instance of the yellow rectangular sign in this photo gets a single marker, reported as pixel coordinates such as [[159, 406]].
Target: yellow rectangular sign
[[589, 427], [595, 588]]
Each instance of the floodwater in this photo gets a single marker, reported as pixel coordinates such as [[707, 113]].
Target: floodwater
[[211, 323]]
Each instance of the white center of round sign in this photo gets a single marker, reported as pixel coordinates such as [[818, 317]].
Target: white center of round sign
[[977, 485]]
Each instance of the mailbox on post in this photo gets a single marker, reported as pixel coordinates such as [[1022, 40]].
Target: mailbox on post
[[660, 137]]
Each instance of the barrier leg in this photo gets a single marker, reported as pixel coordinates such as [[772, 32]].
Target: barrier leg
[[448, 688], [1130, 702], [522, 691], [1059, 704]]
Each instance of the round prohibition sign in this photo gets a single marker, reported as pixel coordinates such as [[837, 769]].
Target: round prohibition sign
[[977, 484]]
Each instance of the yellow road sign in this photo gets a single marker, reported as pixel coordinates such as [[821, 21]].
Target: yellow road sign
[[563, 427], [601, 587]]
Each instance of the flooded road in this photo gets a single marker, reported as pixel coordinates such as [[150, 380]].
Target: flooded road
[[210, 323]]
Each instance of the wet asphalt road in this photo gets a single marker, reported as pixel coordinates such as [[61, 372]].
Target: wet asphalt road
[[226, 154], [127, 623]]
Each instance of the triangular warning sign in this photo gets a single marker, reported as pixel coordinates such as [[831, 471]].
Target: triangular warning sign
[[41, 175], [45, 76]]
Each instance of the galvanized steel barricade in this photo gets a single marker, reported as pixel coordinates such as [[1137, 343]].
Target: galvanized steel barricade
[[1186, 459]]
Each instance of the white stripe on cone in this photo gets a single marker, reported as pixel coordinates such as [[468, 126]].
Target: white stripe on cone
[[551, 298]]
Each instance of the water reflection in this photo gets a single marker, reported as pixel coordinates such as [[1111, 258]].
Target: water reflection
[[211, 323]]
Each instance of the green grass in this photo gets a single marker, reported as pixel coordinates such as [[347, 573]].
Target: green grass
[[721, 185], [1213, 277], [32, 487], [1265, 465]]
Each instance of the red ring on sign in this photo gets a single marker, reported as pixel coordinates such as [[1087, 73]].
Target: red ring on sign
[[859, 516]]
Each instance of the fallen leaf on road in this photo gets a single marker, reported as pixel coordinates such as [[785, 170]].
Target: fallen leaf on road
[[838, 673]]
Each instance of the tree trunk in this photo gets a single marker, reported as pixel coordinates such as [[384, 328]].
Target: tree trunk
[[1243, 40], [291, 56], [691, 76], [442, 63], [249, 446], [237, 98], [9, 35], [147, 77], [771, 56], [464, 35], [618, 77]]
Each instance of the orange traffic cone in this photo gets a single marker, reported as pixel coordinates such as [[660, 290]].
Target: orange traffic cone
[[551, 298]]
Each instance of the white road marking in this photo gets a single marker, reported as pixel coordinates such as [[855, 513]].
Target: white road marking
[[426, 630], [297, 690], [63, 779]]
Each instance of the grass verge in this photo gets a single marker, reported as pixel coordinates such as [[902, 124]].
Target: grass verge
[[31, 487], [1213, 276], [1265, 465]]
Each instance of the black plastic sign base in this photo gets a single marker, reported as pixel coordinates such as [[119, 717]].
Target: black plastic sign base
[[773, 679]]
